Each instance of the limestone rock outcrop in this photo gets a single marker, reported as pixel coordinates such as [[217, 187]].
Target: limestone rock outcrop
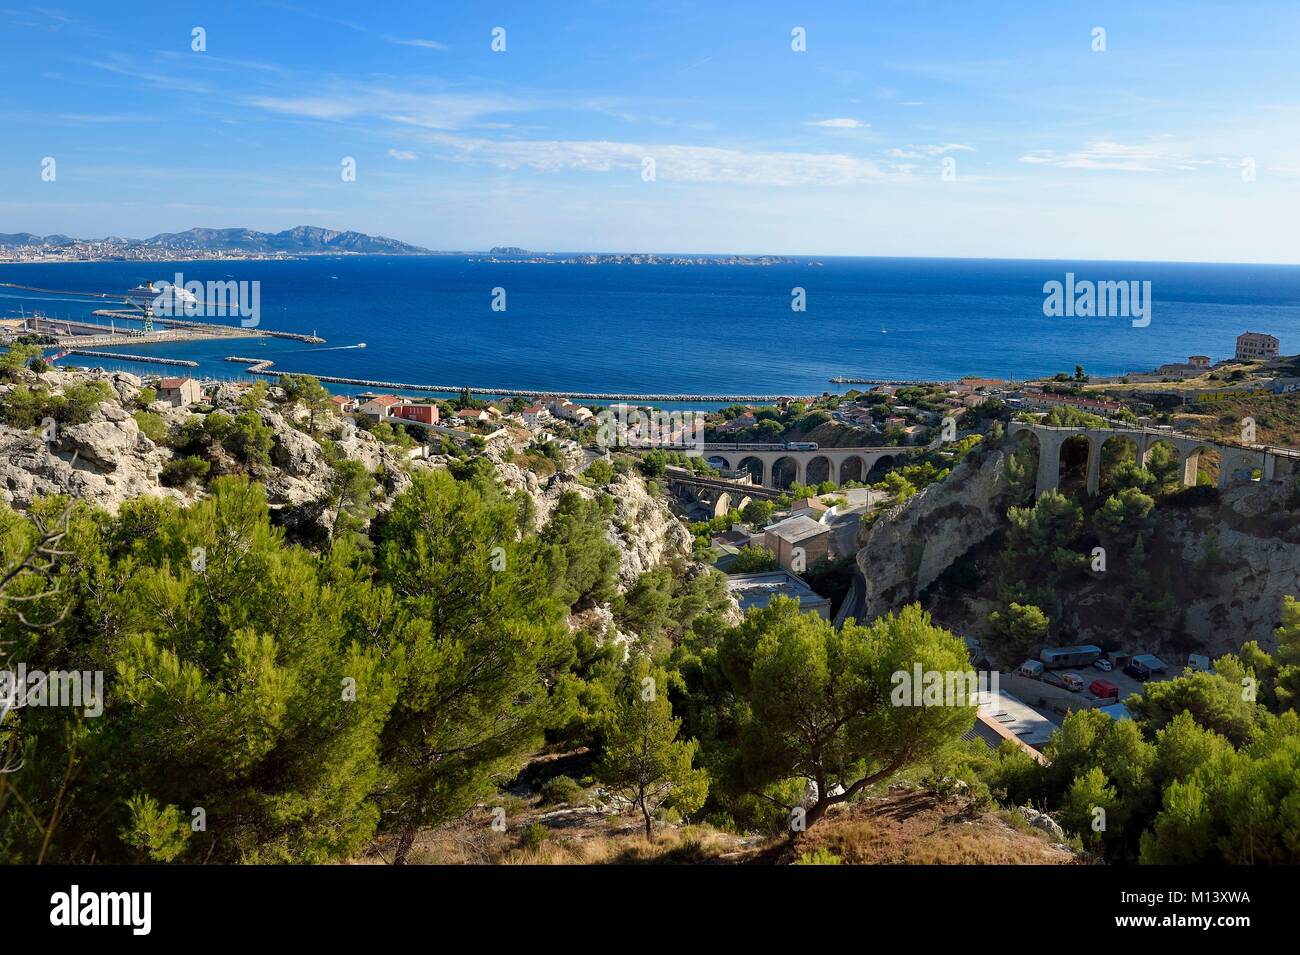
[[1223, 567], [108, 460], [643, 527], [909, 545]]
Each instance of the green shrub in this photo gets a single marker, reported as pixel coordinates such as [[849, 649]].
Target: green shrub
[[152, 426], [181, 471], [26, 407], [534, 836], [599, 473], [561, 790]]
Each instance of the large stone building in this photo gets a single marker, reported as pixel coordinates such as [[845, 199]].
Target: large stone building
[[798, 542], [1253, 345]]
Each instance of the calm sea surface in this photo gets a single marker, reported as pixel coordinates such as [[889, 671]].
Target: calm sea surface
[[697, 329]]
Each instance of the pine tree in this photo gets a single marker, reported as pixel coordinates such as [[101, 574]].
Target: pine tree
[[643, 758]]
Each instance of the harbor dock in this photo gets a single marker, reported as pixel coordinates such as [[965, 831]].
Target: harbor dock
[[261, 367], [121, 356], [211, 329]]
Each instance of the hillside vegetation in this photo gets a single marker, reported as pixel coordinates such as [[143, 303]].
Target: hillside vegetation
[[314, 649]]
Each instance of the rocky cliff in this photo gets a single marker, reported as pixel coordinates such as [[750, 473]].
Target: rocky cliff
[[643, 527], [108, 460], [909, 545], [1221, 567], [105, 461], [1226, 569]]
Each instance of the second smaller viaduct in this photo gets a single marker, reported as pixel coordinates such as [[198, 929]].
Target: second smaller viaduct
[[1235, 462]]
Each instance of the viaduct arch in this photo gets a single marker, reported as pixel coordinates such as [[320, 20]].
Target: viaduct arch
[[837, 464], [1234, 460]]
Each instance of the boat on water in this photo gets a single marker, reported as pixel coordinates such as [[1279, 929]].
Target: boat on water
[[361, 344], [149, 296]]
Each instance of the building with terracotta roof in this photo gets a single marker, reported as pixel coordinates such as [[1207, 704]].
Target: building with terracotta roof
[[1046, 400], [379, 405], [180, 392], [810, 506], [536, 415]]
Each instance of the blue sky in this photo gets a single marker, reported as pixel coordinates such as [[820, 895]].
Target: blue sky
[[1056, 150]]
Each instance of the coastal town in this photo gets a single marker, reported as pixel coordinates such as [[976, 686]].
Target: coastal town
[[194, 245], [33, 250]]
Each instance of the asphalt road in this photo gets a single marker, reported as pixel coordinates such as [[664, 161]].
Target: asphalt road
[[853, 600]]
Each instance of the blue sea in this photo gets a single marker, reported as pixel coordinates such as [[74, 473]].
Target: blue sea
[[698, 329]]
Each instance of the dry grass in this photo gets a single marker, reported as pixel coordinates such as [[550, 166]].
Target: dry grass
[[692, 845], [908, 827], [608, 841], [912, 828]]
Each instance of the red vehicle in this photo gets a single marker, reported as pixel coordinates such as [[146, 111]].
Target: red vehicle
[[1103, 689]]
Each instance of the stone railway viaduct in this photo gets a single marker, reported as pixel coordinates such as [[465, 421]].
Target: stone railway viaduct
[[1236, 462], [721, 494], [842, 464], [760, 461]]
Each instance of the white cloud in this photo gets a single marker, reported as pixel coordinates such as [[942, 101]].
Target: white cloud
[[1118, 157], [403, 155], [125, 66], [428, 111], [928, 152], [422, 44], [673, 163], [839, 124]]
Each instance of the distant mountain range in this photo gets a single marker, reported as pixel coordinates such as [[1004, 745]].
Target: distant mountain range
[[302, 240]]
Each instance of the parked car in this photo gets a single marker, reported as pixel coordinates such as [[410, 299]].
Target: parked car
[[1137, 671], [1103, 689], [1103, 665], [1031, 669], [1072, 682]]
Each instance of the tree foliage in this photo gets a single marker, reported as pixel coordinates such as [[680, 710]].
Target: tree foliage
[[643, 757], [816, 706]]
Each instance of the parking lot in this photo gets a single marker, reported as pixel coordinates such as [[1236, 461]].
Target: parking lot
[[1057, 699], [1127, 685]]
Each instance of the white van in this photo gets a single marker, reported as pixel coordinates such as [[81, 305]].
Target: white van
[[1073, 682], [1031, 669]]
